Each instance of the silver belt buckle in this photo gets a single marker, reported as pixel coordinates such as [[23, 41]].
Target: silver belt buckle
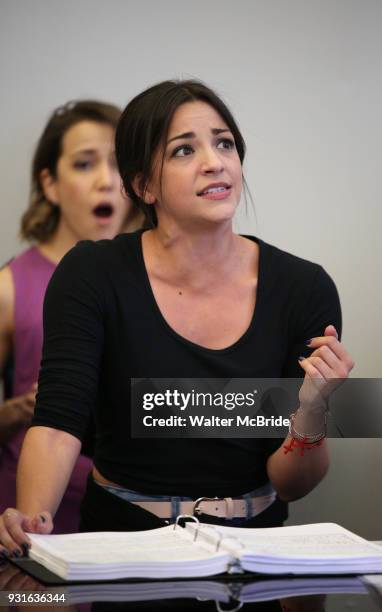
[[196, 510], [228, 504]]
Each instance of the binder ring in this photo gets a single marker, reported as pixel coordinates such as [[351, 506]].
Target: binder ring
[[226, 537], [199, 527], [190, 516]]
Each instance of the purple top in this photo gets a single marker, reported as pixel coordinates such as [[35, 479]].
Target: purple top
[[31, 272]]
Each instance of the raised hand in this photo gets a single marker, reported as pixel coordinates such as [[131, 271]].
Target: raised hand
[[326, 368]]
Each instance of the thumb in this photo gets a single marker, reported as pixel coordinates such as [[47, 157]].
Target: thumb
[[330, 330], [41, 523]]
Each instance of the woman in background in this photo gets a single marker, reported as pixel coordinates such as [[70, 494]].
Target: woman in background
[[75, 195]]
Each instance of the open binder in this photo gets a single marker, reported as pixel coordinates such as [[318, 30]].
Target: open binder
[[199, 550]]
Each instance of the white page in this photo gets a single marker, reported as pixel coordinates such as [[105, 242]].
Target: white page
[[103, 548], [321, 540]]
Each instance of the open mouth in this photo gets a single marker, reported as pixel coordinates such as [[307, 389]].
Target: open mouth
[[217, 189], [103, 210]]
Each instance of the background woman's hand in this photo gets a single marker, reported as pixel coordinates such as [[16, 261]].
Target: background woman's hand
[[24, 405], [326, 368], [13, 527], [17, 412]]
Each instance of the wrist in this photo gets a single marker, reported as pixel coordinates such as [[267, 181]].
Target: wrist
[[308, 426], [313, 412], [312, 398]]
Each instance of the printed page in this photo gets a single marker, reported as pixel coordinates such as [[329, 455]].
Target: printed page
[[321, 540], [104, 548], [157, 553]]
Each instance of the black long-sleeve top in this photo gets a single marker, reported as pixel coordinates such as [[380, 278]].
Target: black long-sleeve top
[[102, 326]]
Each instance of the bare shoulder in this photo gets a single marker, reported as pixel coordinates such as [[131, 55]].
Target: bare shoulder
[[7, 300]]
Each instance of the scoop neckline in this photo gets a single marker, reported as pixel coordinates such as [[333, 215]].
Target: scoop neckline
[[179, 337]]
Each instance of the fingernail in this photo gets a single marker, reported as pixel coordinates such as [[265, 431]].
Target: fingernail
[[301, 358], [16, 552], [308, 341], [4, 554], [25, 548], [42, 517]]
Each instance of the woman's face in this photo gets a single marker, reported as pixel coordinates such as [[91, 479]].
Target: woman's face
[[201, 180], [87, 186]]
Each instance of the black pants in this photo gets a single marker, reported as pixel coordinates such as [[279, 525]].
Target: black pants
[[104, 511]]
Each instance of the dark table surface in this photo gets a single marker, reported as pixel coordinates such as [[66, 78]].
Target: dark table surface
[[316, 594]]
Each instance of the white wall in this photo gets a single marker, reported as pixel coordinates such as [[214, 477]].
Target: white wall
[[303, 78]]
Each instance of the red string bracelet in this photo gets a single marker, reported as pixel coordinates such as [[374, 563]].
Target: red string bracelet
[[301, 444]]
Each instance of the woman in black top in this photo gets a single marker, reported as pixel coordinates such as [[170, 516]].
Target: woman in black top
[[185, 298]]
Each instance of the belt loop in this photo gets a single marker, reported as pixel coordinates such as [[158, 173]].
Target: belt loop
[[248, 501], [229, 508], [248, 504], [175, 507]]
